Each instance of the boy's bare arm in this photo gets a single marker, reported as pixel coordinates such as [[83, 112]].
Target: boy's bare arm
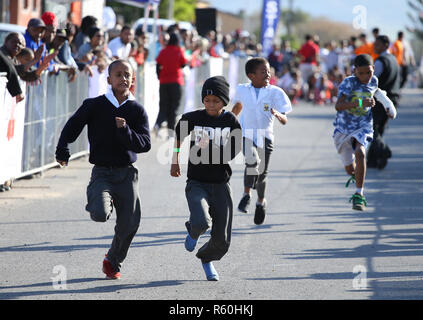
[[175, 169], [342, 104], [236, 109], [280, 116]]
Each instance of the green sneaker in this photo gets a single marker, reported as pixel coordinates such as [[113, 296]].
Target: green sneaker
[[350, 180], [358, 201]]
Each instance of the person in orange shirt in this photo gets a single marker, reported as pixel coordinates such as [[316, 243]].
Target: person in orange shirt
[[397, 49], [366, 47]]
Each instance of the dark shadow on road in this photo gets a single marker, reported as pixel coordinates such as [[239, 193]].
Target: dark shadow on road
[[113, 286], [395, 198]]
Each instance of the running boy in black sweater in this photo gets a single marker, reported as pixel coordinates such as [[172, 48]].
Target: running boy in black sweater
[[215, 140], [117, 130]]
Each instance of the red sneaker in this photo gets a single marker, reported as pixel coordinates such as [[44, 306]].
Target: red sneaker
[[109, 271]]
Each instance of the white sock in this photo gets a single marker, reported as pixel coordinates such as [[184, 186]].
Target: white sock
[[360, 191], [261, 203], [245, 193]]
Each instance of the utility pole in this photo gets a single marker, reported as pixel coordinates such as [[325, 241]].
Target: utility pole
[[290, 17], [170, 9]]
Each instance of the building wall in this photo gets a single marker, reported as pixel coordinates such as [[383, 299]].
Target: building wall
[[76, 9], [227, 22], [93, 8], [21, 11], [5, 11]]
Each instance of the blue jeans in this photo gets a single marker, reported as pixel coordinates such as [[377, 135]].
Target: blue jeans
[[210, 205]]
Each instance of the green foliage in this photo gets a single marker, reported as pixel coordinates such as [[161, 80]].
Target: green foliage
[[183, 10], [293, 40], [294, 17], [129, 13], [291, 20]]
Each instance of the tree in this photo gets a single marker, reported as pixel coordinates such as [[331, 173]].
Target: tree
[[292, 18], [183, 10], [416, 17], [129, 13]]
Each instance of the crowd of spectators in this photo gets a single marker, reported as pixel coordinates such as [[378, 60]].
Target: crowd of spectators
[[313, 72]]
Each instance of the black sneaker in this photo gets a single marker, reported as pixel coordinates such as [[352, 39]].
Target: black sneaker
[[371, 164], [260, 213], [381, 163], [244, 203]]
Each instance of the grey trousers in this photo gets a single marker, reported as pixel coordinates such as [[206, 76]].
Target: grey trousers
[[256, 165], [210, 205], [115, 188]]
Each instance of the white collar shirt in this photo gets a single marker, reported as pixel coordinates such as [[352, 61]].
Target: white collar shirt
[[111, 97], [255, 118]]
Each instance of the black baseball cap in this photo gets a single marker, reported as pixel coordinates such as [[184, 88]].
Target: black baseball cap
[[35, 22], [61, 33]]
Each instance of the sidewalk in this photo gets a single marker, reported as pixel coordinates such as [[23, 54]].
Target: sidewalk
[[311, 246]]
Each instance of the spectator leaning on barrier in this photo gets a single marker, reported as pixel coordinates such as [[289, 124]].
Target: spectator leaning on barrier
[[33, 35], [13, 45], [82, 36], [26, 56], [13, 86], [50, 20], [65, 52], [96, 41], [56, 44]]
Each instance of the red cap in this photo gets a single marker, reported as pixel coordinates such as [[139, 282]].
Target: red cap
[[49, 18]]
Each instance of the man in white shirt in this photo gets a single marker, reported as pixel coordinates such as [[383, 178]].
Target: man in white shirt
[[120, 47]]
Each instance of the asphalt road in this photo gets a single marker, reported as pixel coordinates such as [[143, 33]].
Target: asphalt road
[[312, 246]]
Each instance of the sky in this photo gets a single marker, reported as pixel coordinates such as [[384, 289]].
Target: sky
[[389, 15]]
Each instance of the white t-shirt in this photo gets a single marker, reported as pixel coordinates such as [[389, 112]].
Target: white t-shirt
[[255, 118], [118, 49]]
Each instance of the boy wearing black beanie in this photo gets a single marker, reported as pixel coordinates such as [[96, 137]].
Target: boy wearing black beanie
[[215, 140]]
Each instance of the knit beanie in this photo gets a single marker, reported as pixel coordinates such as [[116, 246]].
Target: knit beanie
[[217, 86]]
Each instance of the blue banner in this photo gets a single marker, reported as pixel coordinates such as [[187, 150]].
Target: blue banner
[[269, 24]]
